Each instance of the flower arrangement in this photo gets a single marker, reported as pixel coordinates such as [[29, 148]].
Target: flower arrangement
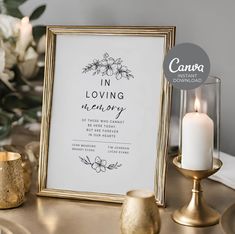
[[22, 48]]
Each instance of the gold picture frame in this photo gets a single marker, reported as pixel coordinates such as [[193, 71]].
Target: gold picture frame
[[168, 34]]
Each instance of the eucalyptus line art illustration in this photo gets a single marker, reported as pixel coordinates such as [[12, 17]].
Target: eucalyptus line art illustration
[[108, 66], [99, 165]]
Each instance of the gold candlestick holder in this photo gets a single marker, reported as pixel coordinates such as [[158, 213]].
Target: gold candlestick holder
[[197, 213]]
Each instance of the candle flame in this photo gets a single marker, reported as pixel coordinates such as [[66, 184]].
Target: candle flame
[[25, 20], [197, 105]]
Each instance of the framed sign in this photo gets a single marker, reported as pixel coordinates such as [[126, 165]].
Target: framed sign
[[106, 111]]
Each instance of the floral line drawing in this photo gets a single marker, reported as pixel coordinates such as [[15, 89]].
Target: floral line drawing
[[99, 165], [108, 66]]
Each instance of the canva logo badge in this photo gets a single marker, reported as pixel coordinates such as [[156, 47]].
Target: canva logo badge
[[186, 66]]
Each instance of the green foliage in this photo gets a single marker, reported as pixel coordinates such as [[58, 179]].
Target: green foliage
[[5, 123], [37, 12], [11, 7], [38, 32], [13, 3], [15, 12]]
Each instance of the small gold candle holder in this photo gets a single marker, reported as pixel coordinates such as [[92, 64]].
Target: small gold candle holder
[[197, 213], [140, 214], [11, 180]]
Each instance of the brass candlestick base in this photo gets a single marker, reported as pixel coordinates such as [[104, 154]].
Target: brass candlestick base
[[197, 213]]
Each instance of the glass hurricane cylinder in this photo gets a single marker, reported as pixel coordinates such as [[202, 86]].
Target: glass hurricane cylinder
[[200, 125]]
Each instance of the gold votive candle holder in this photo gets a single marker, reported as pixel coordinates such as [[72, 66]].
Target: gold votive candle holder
[[196, 213], [26, 164], [140, 214], [11, 180]]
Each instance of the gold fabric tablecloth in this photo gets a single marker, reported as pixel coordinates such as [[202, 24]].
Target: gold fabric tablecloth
[[41, 215]]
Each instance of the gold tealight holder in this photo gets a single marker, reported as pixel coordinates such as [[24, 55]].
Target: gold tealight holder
[[140, 214], [11, 180], [197, 213]]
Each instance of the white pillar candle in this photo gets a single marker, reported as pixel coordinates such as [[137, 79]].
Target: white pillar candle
[[197, 140], [25, 35]]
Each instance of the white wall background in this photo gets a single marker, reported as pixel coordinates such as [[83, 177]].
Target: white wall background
[[209, 24]]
